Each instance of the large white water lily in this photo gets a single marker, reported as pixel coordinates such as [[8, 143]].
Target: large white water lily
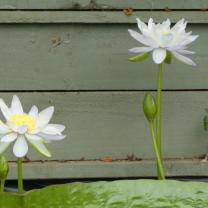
[[160, 39], [32, 127]]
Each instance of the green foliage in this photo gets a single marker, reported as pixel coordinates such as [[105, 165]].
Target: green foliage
[[149, 107], [168, 58], [117, 194], [4, 167], [140, 57]]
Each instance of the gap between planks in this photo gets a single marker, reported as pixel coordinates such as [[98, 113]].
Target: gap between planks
[[102, 90]]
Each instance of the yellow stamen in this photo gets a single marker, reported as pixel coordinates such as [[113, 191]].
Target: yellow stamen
[[24, 119], [166, 32]]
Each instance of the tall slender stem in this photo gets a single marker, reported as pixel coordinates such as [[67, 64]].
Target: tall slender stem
[[19, 173], [158, 158], [158, 118], [2, 185]]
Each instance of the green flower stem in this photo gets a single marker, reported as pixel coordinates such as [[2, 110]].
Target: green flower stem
[[158, 116], [159, 162], [19, 173], [2, 185]]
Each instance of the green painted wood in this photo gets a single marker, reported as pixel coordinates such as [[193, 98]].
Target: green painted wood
[[98, 169], [102, 4], [112, 124], [98, 16], [88, 57]]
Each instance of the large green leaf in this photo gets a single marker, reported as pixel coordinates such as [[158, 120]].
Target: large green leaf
[[117, 194]]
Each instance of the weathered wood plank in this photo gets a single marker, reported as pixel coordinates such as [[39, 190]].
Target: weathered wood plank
[[98, 16], [102, 4], [78, 170], [112, 124], [88, 57]]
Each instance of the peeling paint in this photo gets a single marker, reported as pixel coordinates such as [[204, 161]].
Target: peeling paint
[[205, 159], [56, 41]]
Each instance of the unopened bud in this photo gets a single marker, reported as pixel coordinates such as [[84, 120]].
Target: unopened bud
[[149, 107], [4, 168]]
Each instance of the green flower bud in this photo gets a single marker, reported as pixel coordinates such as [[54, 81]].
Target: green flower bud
[[4, 167], [206, 123], [149, 107]]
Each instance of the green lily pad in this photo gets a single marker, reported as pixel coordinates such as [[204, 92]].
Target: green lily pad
[[117, 194]]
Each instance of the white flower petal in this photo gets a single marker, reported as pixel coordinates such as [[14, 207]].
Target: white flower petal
[[9, 138], [167, 22], [137, 36], [140, 49], [4, 109], [51, 137], [36, 130], [186, 52], [161, 36], [3, 146], [176, 48], [3, 128], [166, 40], [33, 111], [33, 137], [16, 106], [53, 129], [22, 129], [151, 24], [40, 147], [12, 126], [184, 59], [20, 148], [189, 40], [179, 26], [45, 116], [141, 25], [159, 55], [60, 127]]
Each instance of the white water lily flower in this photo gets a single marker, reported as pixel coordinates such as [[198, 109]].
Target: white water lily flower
[[32, 127], [161, 38]]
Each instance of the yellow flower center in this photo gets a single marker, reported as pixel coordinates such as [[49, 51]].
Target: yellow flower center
[[166, 32], [24, 119]]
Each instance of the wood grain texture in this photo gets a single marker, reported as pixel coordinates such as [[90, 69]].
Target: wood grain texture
[[102, 4], [89, 57], [96, 169], [98, 16], [112, 124]]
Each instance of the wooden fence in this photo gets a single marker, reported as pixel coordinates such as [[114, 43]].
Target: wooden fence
[[73, 54]]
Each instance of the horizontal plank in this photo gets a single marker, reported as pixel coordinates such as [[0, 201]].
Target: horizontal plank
[[98, 16], [122, 169], [102, 4], [88, 57], [112, 124]]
